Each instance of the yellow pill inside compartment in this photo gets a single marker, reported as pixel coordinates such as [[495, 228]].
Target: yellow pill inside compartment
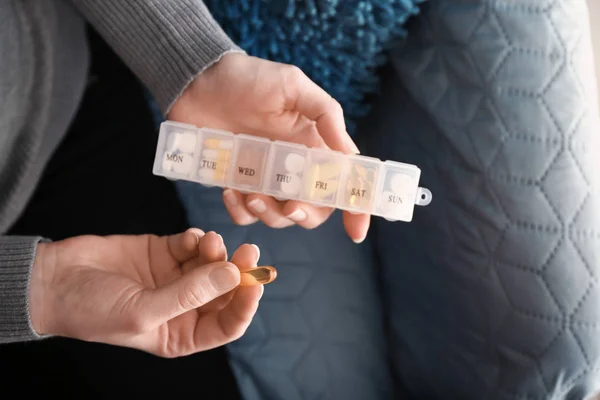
[[360, 186], [323, 181], [216, 154], [214, 143], [214, 170]]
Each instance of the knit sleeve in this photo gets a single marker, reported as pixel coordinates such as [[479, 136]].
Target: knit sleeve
[[166, 43], [16, 259]]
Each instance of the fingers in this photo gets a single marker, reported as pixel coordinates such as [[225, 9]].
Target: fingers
[[210, 248], [231, 322], [282, 215], [234, 203], [276, 214], [268, 210], [244, 303], [248, 210], [305, 215], [357, 226], [310, 100], [221, 327], [184, 246], [245, 257], [192, 290]]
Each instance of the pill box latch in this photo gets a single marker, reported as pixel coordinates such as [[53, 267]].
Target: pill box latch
[[423, 197]]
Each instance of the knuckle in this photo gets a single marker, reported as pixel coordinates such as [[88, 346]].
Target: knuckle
[[173, 348], [237, 331], [311, 225], [294, 70], [234, 331], [336, 106], [192, 296], [293, 74], [137, 324], [237, 219], [271, 223], [166, 352], [249, 220]]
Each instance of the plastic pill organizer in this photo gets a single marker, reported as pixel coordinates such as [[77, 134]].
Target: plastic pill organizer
[[289, 171]]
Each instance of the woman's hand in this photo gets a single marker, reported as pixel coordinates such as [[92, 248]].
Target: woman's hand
[[170, 296], [245, 94]]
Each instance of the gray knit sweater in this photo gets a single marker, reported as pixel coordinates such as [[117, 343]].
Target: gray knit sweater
[[43, 72]]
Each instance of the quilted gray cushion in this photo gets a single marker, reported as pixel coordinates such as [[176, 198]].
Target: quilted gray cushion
[[493, 288]]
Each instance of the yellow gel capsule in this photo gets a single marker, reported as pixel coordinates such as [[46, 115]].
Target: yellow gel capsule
[[258, 276]]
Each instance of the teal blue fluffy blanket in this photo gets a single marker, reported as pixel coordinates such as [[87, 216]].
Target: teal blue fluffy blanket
[[338, 43]]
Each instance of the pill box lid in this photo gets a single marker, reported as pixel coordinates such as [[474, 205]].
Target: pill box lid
[[402, 165], [320, 150], [179, 124], [253, 138], [290, 144], [216, 131], [361, 158]]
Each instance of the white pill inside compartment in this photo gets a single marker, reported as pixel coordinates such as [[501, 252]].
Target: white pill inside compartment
[[294, 163], [284, 175], [291, 186], [401, 183], [397, 190], [181, 141]]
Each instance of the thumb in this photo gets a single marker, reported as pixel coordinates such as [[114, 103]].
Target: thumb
[[190, 291]]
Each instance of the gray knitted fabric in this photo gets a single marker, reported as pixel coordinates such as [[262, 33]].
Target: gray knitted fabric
[[43, 73]]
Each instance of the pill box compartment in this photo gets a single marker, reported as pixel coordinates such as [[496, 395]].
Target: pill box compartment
[[285, 170], [397, 190], [176, 151], [250, 158], [359, 185], [215, 157], [323, 173]]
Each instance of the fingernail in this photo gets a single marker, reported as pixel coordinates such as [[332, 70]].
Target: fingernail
[[353, 147], [230, 197], [222, 242], [198, 233], [225, 278], [359, 240], [298, 216], [258, 206], [257, 251]]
